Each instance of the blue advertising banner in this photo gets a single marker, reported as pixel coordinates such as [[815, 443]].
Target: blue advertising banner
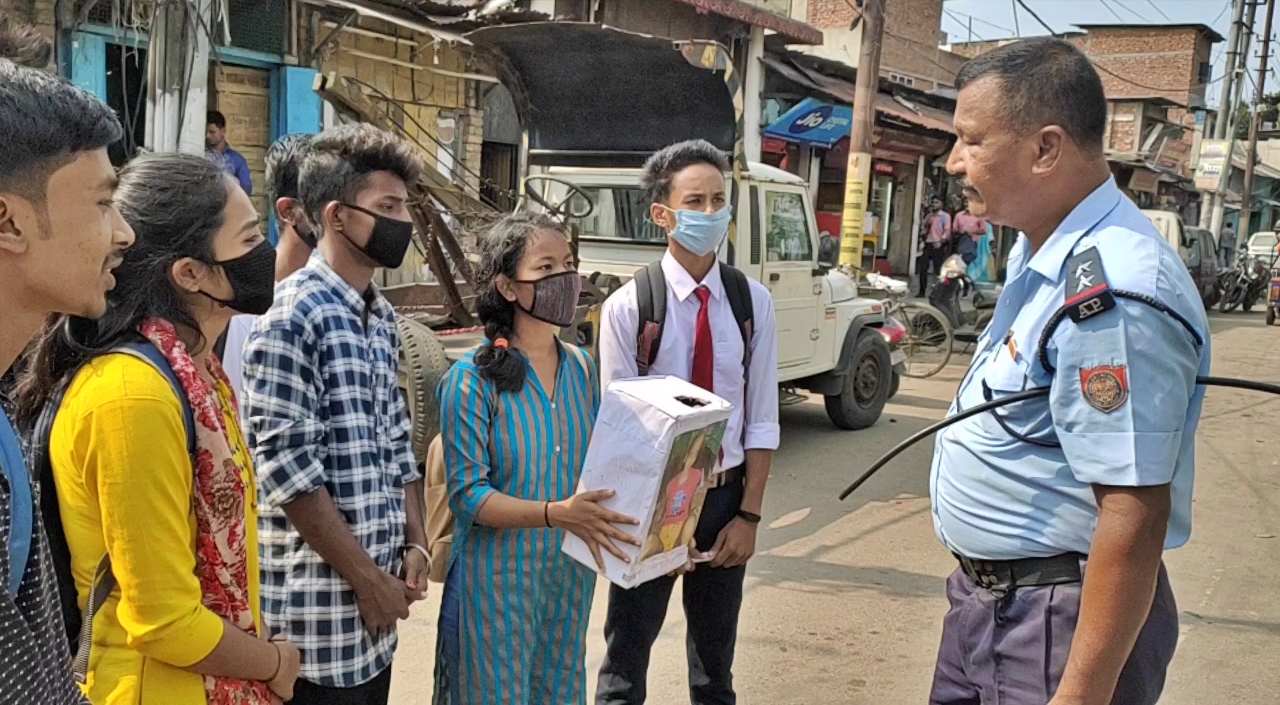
[[813, 122]]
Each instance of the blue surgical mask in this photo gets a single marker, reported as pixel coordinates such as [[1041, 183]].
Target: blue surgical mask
[[701, 233]]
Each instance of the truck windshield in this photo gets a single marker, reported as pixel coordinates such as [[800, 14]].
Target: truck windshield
[[621, 212]]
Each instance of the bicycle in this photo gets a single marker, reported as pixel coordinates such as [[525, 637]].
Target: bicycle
[[928, 340]]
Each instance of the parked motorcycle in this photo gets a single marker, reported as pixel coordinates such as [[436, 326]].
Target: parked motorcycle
[[1242, 285], [945, 296]]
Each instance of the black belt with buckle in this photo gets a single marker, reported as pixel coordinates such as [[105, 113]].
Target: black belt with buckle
[[1024, 572], [728, 477]]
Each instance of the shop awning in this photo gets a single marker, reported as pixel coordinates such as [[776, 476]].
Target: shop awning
[[841, 92], [813, 122]]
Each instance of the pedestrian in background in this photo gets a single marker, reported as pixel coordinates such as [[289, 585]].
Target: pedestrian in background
[[516, 416], [703, 344], [182, 624], [1059, 509], [219, 152], [61, 236], [1227, 246], [295, 242], [343, 542], [937, 242]]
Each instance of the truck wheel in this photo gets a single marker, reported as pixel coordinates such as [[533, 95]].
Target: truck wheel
[[893, 386], [866, 383]]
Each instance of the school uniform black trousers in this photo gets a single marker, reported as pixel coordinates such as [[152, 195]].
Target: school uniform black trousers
[[712, 600]]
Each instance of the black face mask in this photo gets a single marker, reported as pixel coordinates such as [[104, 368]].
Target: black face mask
[[303, 230], [253, 280], [555, 298], [388, 241]]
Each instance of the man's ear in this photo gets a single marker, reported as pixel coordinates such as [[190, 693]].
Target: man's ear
[[284, 209], [1050, 142], [331, 219], [14, 235], [662, 216]]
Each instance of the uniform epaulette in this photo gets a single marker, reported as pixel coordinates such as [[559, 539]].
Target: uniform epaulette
[[1087, 291]]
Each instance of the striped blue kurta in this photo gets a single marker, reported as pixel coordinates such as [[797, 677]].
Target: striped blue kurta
[[521, 604]]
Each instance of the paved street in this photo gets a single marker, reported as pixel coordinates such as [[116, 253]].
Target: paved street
[[844, 602]]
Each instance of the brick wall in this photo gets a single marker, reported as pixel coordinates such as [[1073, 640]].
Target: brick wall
[[911, 37], [1122, 127], [1149, 61]]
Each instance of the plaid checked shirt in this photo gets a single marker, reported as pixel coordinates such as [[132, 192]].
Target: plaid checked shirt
[[324, 411]]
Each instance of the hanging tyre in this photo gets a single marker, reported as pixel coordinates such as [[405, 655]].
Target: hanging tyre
[[422, 364]]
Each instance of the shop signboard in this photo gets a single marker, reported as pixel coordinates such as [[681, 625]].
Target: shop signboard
[[1213, 160], [813, 122]]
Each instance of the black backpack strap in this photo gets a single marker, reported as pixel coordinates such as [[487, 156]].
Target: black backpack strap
[[79, 625], [738, 291], [651, 298]]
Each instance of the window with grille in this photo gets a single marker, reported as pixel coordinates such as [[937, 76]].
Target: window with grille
[[115, 12], [258, 25]]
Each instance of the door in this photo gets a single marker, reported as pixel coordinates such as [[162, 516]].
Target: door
[[790, 248], [243, 96]]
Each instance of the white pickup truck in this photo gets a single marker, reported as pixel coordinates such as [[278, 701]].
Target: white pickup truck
[[828, 338]]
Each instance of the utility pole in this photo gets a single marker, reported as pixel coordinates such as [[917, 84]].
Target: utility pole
[[1246, 198], [1212, 201], [857, 184]]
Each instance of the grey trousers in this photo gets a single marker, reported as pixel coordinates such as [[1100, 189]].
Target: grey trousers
[[1013, 651]]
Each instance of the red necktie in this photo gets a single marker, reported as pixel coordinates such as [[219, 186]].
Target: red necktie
[[704, 357]]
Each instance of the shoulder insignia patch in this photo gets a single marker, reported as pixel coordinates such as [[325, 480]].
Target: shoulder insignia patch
[[1106, 388], [1087, 291]]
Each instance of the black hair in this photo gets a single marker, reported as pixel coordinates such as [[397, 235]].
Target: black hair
[[1045, 81], [284, 162], [660, 168], [213, 117], [339, 161], [24, 45], [501, 249], [175, 204], [45, 120]]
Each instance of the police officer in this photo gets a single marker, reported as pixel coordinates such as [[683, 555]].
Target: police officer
[[1058, 510]]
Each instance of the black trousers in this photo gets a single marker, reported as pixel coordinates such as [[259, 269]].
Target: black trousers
[[932, 259], [374, 692], [712, 600]]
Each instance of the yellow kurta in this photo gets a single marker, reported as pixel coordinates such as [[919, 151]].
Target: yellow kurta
[[124, 481]]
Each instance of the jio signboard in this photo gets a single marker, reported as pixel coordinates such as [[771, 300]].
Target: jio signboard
[[813, 122]]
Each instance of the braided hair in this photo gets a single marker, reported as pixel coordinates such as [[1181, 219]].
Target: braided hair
[[502, 247]]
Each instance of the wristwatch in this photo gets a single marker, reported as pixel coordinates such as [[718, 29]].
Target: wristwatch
[[749, 517]]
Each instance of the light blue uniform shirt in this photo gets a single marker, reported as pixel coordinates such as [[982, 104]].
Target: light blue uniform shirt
[[998, 498]]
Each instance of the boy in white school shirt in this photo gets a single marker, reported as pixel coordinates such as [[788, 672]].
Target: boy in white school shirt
[[701, 342]]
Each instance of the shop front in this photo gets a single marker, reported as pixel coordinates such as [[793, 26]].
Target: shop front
[[809, 116]]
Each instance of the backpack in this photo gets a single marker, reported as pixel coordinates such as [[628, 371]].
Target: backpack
[[651, 296], [80, 625], [439, 516]]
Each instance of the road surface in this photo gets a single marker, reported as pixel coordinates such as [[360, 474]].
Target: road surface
[[844, 601]]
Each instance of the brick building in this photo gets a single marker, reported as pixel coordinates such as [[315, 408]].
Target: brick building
[[1171, 61], [911, 54]]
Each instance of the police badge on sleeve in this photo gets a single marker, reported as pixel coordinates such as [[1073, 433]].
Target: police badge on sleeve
[[1105, 387]]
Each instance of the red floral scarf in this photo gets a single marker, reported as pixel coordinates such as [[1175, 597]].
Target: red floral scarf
[[219, 503]]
